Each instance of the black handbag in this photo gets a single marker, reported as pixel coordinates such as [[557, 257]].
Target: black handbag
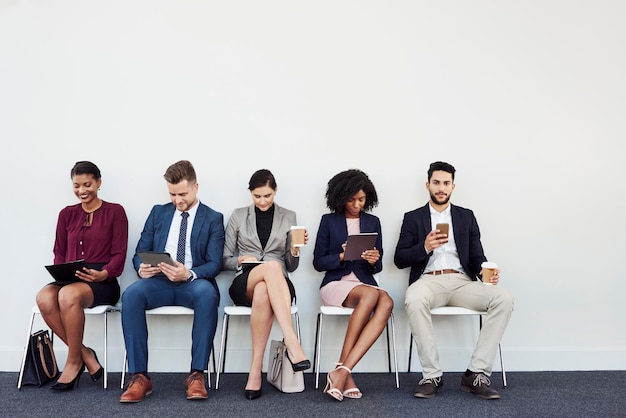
[[41, 365]]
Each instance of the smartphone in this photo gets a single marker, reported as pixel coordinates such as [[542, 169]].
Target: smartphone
[[443, 228]]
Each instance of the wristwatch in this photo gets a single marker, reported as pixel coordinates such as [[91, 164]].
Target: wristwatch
[[190, 278]]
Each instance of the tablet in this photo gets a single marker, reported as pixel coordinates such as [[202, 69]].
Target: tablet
[[66, 272], [152, 258], [356, 244]]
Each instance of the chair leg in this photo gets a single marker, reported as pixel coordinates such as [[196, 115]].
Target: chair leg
[[318, 346], [395, 351], [297, 321], [106, 351], [388, 348], [208, 369], [410, 352], [30, 331], [222, 356], [502, 366], [124, 369]]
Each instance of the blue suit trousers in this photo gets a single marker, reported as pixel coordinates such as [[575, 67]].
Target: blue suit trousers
[[200, 295]]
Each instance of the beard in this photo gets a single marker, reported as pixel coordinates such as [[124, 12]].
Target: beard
[[433, 198]]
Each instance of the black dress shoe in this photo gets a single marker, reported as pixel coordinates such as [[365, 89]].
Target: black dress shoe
[[98, 374], [252, 394]]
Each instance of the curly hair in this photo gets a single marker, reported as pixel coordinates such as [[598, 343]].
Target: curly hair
[[346, 184]]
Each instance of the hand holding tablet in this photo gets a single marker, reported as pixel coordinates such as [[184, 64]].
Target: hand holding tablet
[[154, 258], [359, 243]]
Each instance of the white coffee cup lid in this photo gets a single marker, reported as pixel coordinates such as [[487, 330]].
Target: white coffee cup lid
[[489, 265]]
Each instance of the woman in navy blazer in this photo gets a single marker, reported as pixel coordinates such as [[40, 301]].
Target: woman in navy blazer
[[351, 283], [260, 232]]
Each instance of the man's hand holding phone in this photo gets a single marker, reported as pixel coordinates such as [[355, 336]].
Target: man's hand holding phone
[[437, 237]]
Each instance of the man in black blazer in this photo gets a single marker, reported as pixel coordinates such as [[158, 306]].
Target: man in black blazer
[[446, 271], [193, 234]]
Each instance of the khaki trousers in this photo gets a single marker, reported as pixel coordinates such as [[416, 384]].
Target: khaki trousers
[[432, 291]]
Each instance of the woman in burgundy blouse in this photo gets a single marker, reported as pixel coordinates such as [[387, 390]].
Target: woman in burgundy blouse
[[96, 231]]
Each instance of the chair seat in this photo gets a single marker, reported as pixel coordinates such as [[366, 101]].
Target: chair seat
[[96, 310], [170, 310], [336, 310], [245, 310], [455, 310]]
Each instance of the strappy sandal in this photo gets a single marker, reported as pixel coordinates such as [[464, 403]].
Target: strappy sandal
[[352, 393], [331, 389]]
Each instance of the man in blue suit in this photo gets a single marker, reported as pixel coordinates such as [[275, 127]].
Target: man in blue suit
[[446, 270], [195, 234]]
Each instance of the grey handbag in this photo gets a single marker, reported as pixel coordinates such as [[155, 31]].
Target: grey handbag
[[280, 373]]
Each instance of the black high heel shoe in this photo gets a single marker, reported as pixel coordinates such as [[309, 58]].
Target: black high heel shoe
[[69, 385], [98, 374], [252, 394], [299, 366]]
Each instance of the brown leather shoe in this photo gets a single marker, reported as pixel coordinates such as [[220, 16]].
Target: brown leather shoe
[[196, 388], [138, 388]]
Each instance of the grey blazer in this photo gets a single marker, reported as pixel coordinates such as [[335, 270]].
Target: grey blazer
[[242, 238]]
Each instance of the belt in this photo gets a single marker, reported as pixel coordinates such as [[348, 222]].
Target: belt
[[444, 271]]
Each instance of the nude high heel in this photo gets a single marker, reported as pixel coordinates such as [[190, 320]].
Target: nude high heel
[[330, 387], [352, 393]]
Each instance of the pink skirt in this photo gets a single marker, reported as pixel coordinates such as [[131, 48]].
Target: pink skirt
[[335, 293]]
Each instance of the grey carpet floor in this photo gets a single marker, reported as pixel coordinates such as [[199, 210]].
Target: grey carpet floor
[[528, 394]]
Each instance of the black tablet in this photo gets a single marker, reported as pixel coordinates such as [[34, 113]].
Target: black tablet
[[356, 244], [66, 272], [152, 258]]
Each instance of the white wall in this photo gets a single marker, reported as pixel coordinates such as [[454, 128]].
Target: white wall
[[525, 98]]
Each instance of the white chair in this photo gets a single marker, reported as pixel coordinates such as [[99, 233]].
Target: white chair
[[167, 310], [458, 311], [103, 310], [234, 310], [341, 311]]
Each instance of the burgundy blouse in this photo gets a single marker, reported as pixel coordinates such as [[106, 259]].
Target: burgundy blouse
[[104, 241]]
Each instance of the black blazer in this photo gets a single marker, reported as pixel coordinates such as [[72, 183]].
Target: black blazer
[[410, 251], [331, 234]]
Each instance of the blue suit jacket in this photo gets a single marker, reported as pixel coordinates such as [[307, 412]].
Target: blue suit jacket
[[331, 235], [207, 238], [410, 251]]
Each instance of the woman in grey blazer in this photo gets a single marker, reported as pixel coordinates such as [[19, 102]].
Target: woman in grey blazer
[[261, 232]]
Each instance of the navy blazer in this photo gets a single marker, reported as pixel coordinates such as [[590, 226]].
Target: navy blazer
[[331, 235], [410, 251], [207, 238]]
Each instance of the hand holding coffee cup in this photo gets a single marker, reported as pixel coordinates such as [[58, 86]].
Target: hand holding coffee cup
[[488, 271], [299, 238]]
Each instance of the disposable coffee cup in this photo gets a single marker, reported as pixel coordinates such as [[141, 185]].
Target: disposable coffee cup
[[297, 235], [488, 270]]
